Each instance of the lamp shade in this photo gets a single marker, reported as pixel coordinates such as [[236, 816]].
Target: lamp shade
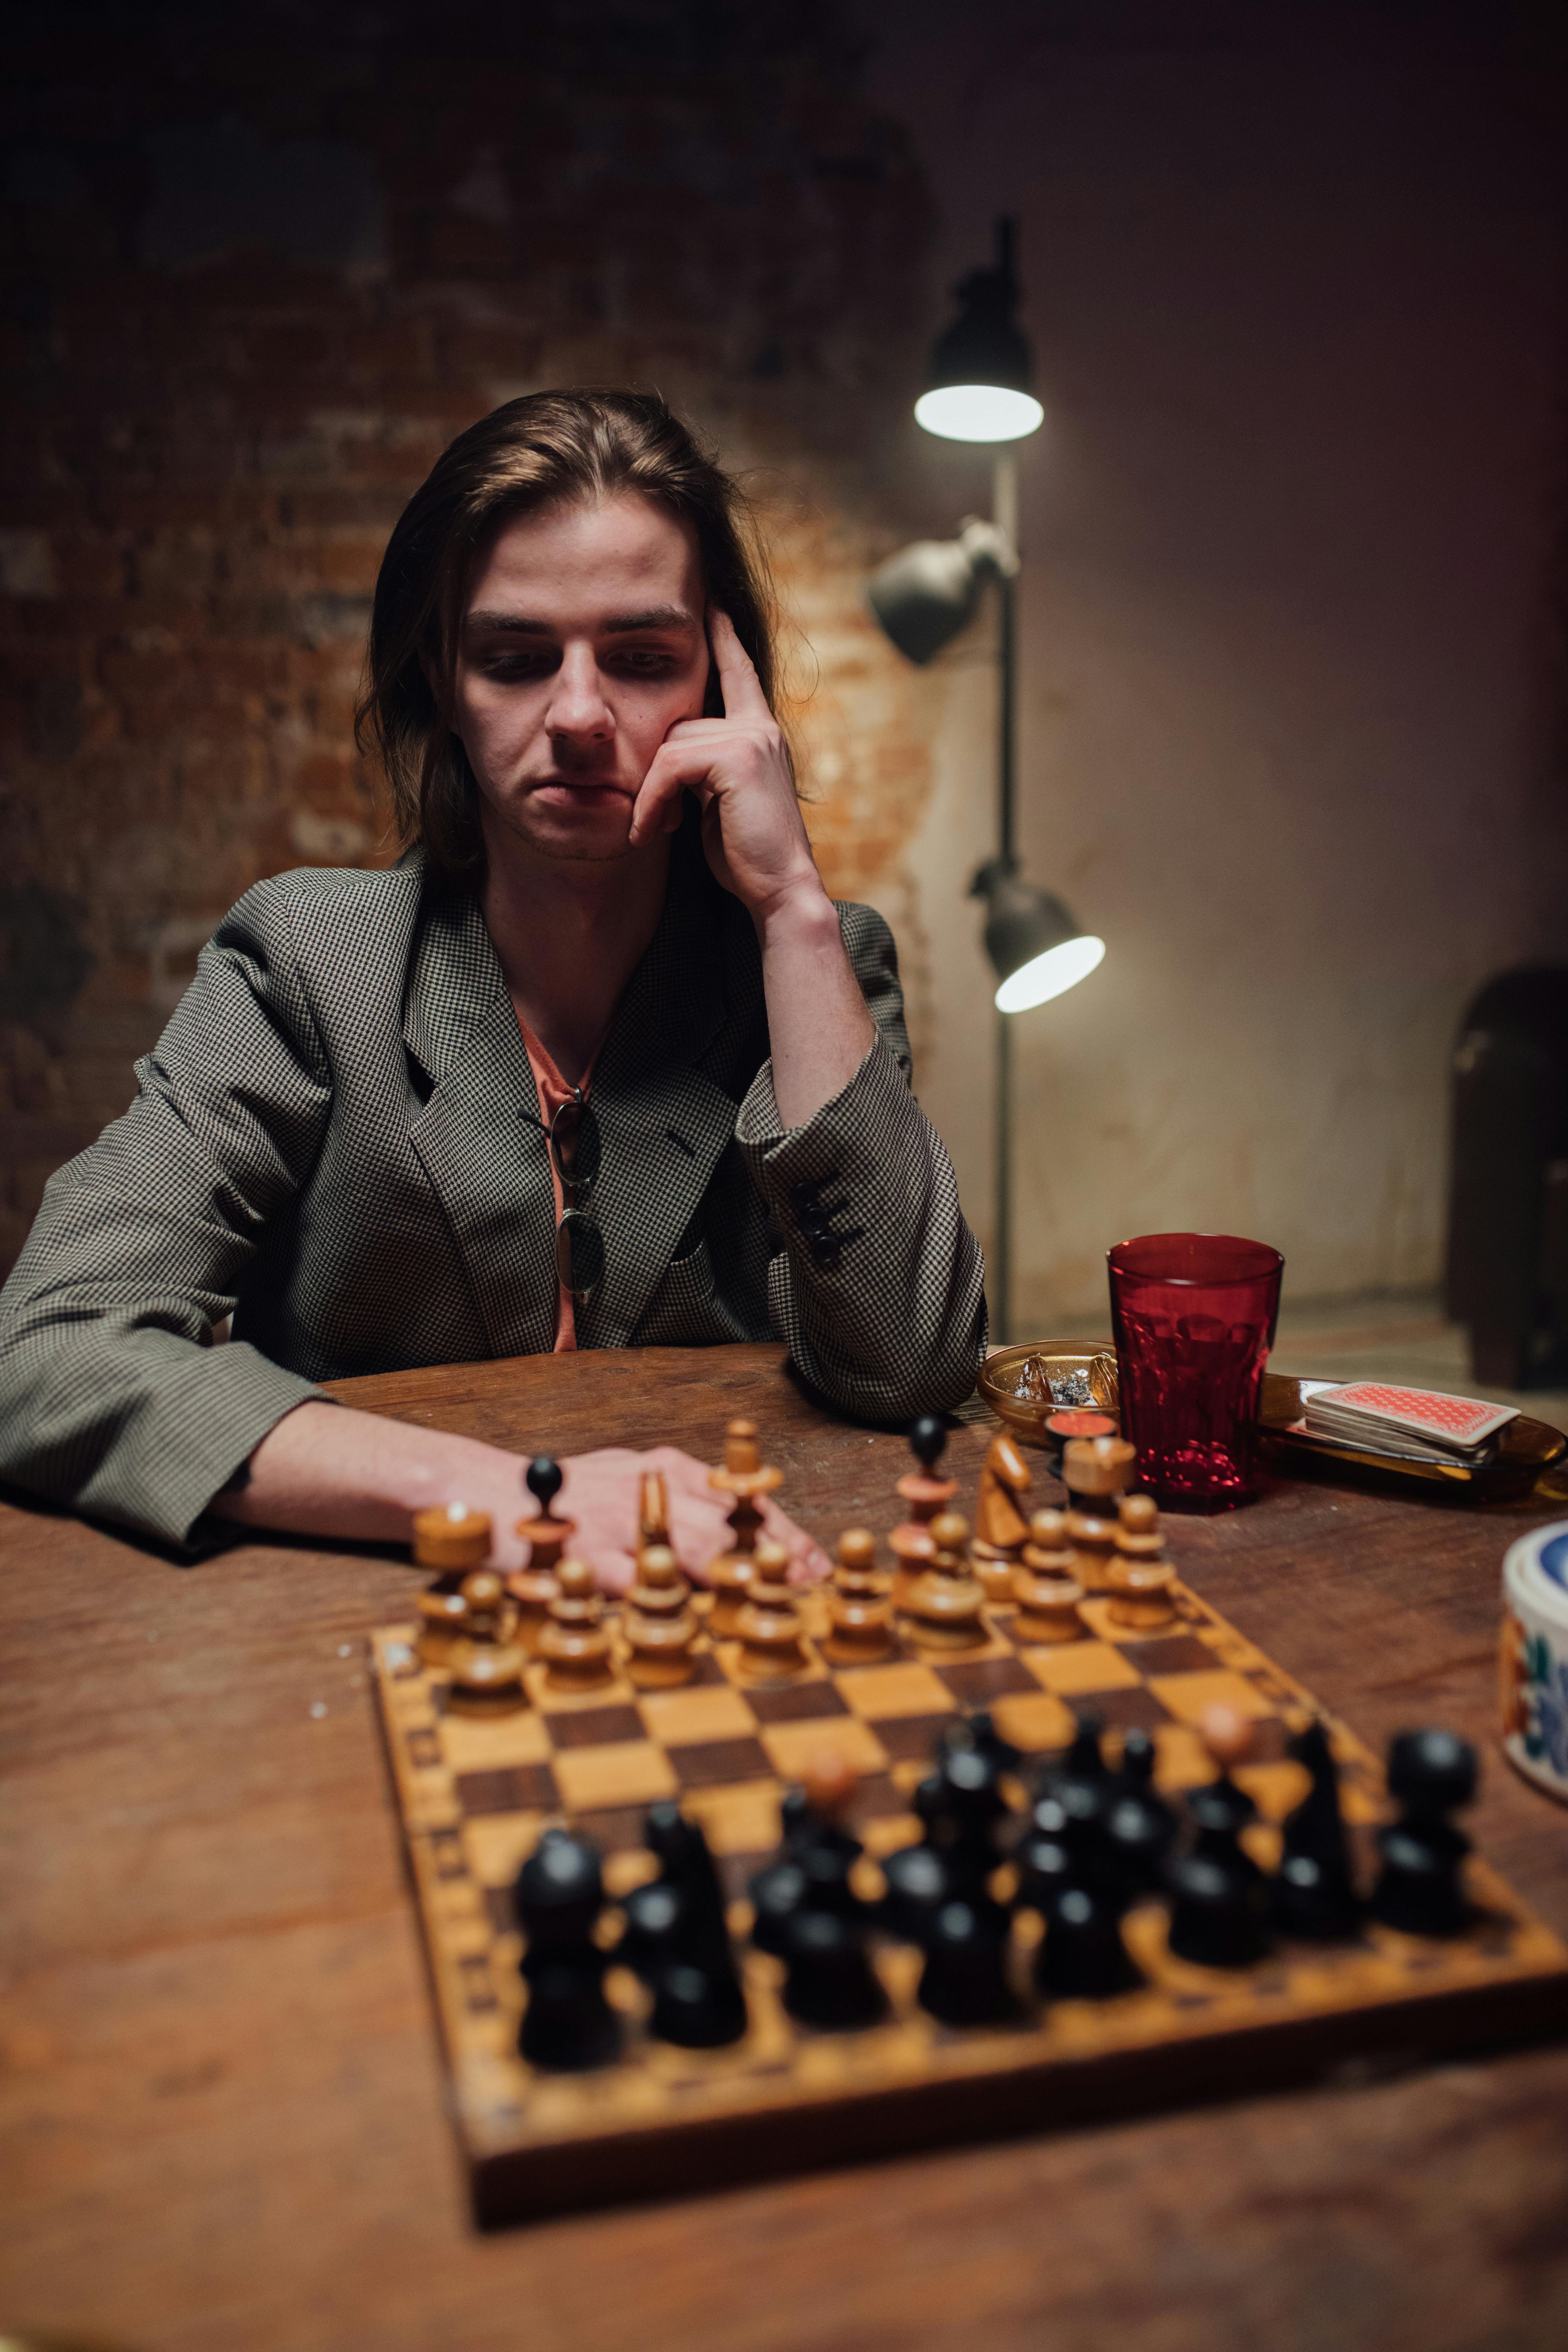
[[1037, 950], [979, 386], [923, 596]]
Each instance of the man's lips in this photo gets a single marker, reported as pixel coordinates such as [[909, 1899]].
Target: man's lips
[[596, 787]]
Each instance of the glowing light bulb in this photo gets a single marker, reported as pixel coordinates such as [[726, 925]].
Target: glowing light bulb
[[1051, 974], [979, 412]]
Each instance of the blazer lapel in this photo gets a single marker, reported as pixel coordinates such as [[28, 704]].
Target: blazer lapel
[[486, 1162], [663, 1123]]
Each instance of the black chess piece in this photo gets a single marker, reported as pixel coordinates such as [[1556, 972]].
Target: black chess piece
[[973, 1810], [544, 1479], [697, 2008], [678, 1940], [1219, 1910], [1421, 1890], [1312, 1894], [829, 1981], [1216, 1906], [653, 1914], [682, 1848], [1083, 1955], [962, 1810], [928, 1441], [964, 1981], [810, 1872], [1137, 1829], [567, 2024], [979, 1730], [916, 1877], [1058, 1850], [779, 1887], [1217, 1915], [1082, 1780]]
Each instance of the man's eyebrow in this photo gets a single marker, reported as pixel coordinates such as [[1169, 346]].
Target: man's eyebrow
[[656, 616]]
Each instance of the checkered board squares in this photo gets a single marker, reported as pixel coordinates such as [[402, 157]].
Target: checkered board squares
[[476, 1791]]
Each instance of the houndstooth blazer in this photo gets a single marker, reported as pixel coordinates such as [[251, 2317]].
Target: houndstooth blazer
[[331, 1141]]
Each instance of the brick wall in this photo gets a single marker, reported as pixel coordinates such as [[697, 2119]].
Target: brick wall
[[261, 265]]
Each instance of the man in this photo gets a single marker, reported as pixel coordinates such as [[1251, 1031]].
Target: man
[[596, 1063]]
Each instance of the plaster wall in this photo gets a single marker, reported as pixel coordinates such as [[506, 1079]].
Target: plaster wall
[[1295, 285]]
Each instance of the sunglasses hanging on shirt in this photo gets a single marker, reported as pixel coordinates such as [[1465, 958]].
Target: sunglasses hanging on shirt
[[573, 1136]]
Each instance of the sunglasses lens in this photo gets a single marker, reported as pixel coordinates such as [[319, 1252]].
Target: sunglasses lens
[[578, 1253], [574, 1140]]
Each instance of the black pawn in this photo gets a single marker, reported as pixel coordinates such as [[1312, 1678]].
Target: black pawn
[[810, 1872], [829, 1981], [928, 1441], [972, 1811], [544, 1479], [1138, 1829], [1083, 1781], [964, 1981], [779, 1888], [916, 1877], [827, 1855], [979, 1730], [567, 2024], [1312, 1893], [1056, 1851], [1219, 1910], [1083, 1957], [1217, 1919], [1421, 1889]]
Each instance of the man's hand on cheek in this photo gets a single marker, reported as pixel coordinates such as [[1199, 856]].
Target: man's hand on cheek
[[739, 768]]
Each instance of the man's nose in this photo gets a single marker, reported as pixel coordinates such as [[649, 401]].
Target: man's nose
[[578, 711]]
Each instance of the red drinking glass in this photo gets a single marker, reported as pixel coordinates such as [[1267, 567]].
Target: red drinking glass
[[1193, 1316]]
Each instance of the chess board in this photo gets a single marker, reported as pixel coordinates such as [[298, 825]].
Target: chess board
[[474, 1795]]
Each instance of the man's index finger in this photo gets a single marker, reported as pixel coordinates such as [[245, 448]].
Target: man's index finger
[[743, 689]]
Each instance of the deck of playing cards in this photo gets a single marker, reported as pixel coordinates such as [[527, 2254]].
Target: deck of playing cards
[[1372, 1413]]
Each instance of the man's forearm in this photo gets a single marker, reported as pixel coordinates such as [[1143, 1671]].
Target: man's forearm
[[325, 1471], [818, 1027]]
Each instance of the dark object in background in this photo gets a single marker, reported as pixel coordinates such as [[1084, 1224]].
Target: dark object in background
[[1508, 1215]]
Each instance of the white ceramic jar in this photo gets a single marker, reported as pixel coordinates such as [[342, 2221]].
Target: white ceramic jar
[[1533, 1661]]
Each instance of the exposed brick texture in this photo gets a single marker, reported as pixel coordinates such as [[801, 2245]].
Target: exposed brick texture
[[262, 265]]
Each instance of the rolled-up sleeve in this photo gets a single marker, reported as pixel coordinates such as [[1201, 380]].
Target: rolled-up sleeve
[[111, 1399], [879, 1286]]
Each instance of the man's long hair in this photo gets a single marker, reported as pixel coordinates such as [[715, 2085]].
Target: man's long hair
[[549, 449]]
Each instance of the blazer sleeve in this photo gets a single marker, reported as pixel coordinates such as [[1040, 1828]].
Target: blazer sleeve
[[879, 1288], [111, 1399]]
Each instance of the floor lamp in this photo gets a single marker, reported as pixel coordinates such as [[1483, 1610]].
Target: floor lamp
[[978, 391]]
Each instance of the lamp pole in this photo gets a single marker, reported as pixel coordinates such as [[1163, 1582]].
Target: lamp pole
[[978, 391], [1004, 516]]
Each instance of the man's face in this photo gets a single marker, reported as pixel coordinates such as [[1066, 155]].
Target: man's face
[[582, 643]]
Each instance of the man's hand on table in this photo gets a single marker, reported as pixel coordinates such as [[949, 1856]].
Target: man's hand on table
[[601, 1494], [327, 1470]]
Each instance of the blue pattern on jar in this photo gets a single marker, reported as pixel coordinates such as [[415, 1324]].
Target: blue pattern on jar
[[1546, 1695]]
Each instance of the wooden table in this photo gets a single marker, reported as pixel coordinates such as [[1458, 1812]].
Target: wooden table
[[222, 2100]]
